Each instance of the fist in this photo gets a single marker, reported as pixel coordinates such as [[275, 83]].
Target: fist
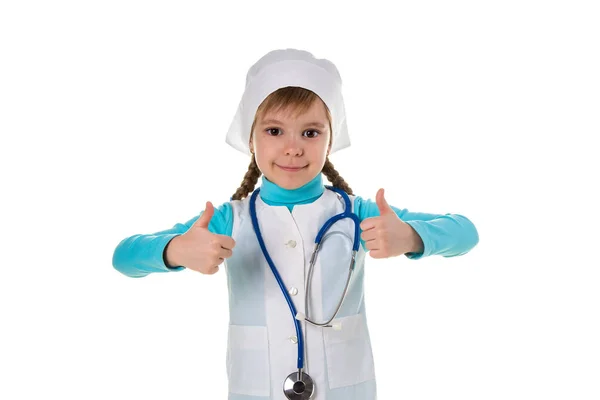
[[201, 250], [387, 235]]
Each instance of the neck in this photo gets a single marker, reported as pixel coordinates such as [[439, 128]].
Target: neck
[[273, 194]]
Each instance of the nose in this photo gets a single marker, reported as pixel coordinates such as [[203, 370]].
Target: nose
[[293, 147], [293, 151]]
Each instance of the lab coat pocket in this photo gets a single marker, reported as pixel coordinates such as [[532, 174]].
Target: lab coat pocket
[[348, 352], [248, 360]]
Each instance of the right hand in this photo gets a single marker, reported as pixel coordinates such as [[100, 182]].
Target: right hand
[[199, 249]]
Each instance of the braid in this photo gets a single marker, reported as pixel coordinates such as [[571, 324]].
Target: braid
[[334, 177], [249, 181]]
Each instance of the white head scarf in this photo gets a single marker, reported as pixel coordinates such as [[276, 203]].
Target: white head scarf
[[290, 67]]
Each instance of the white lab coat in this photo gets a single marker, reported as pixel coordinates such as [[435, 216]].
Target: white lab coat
[[262, 344]]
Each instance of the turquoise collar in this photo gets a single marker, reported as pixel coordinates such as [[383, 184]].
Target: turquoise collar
[[273, 194]]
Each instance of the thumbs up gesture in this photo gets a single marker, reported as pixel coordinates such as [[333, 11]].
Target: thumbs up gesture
[[387, 235], [199, 249]]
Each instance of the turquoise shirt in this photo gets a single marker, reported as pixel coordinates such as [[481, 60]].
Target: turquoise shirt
[[447, 235]]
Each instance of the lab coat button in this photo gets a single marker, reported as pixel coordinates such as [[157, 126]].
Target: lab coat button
[[291, 243], [293, 339], [293, 291]]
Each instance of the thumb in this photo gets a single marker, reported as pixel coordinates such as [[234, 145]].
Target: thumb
[[206, 216], [382, 204]]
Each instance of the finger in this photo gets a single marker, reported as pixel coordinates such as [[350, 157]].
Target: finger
[[368, 235], [225, 241], [215, 267], [372, 245], [369, 223], [213, 270], [376, 254], [382, 204], [225, 253], [206, 216]]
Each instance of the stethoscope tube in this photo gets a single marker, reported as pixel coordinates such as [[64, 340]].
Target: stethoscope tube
[[304, 317], [300, 363], [318, 240], [346, 214]]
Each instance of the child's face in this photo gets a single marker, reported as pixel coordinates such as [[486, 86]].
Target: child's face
[[292, 151]]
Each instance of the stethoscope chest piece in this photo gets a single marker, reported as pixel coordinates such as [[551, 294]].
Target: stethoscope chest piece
[[295, 389]]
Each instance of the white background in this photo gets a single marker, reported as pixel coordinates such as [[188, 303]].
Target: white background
[[113, 117]]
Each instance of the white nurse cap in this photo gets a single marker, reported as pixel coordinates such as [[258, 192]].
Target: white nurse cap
[[290, 67]]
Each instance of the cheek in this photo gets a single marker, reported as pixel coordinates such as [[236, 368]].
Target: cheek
[[265, 153], [264, 157], [320, 151]]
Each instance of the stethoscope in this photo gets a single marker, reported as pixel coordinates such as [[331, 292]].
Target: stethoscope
[[299, 385]]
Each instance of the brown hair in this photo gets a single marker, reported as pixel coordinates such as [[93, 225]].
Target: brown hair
[[299, 101]]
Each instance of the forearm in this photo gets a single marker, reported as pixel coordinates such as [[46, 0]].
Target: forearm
[[140, 255]]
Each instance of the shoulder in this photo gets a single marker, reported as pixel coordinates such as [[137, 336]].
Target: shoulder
[[240, 207], [240, 213], [358, 204]]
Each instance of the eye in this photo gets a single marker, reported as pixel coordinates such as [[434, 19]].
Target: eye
[[313, 135], [272, 129]]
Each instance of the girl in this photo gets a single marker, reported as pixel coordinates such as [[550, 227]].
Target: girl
[[298, 325]]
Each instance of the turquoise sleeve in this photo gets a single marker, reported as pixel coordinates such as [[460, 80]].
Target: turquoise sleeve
[[142, 254], [447, 235]]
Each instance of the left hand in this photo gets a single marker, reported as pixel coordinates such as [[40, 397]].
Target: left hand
[[387, 235]]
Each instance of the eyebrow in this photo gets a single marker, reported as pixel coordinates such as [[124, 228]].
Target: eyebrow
[[274, 121]]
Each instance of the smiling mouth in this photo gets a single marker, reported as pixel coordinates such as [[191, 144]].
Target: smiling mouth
[[291, 169]]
